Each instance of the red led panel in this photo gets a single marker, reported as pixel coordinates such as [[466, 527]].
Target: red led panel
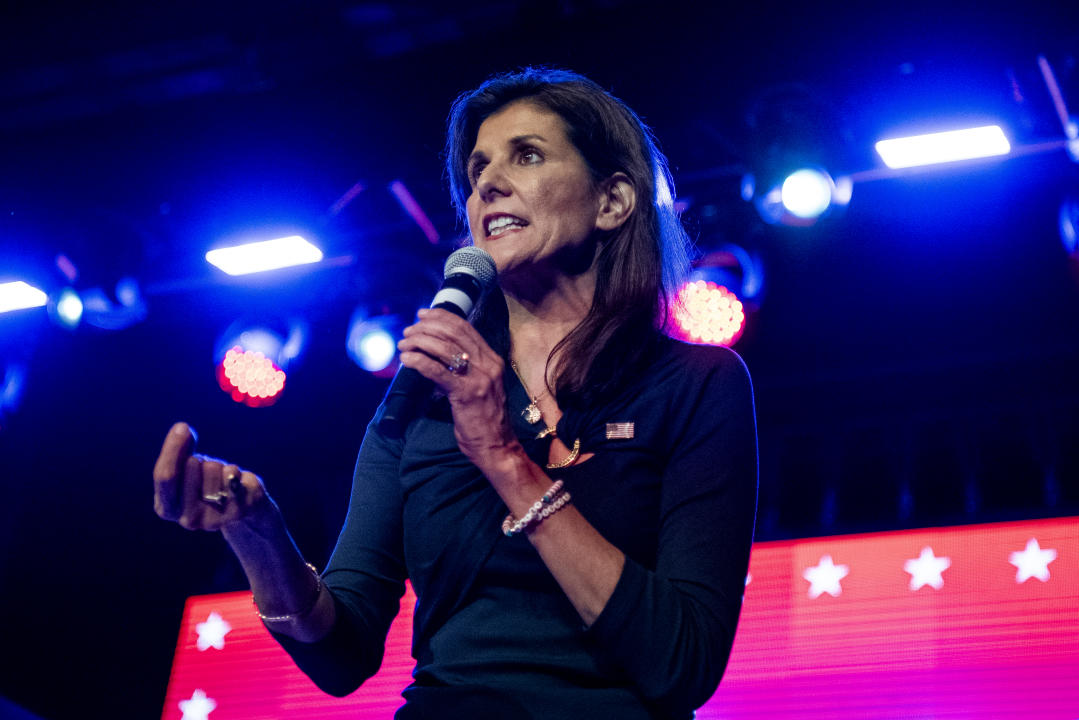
[[963, 622]]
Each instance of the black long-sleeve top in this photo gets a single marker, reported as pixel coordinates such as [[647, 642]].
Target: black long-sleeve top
[[678, 498]]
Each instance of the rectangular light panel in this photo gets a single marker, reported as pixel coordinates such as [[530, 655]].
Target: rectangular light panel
[[266, 255], [944, 147], [974, 622], [19, 295]]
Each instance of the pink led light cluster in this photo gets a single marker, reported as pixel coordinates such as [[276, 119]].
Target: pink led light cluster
[[250, 377], [705, 312]]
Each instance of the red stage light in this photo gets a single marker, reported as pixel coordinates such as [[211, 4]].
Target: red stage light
[[705, 312], [250, 377]]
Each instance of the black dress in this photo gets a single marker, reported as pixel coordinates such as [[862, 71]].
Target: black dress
[[493, 633]]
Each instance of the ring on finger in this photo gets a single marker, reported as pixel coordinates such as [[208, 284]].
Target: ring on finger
[[458, 364], [235, 485], [218, 499]]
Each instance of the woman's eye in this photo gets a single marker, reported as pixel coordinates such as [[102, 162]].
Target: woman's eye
[[475, 170], [530, 156]]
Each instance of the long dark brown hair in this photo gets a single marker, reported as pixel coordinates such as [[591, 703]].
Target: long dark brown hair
[[638, 264]]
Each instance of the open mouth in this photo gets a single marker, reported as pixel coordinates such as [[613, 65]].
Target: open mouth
[[500, 224]]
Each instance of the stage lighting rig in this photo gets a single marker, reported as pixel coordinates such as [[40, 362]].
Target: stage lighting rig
[[1069, 226], [251, 359], [20, 295], [713, 304], [800, 198], [794, 144], [372, 339], [121, 309], [12, 382], [66, 309], [707, 313], [264, 255], [944, 147]]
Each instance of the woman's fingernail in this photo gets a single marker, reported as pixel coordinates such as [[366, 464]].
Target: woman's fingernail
[[422, 311]]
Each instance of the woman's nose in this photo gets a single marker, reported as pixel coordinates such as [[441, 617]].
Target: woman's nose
[[492, 183]]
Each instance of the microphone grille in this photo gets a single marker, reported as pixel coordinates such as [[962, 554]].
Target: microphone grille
[[474, 261]]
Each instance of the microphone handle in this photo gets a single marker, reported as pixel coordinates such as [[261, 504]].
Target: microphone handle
[[410, 391]]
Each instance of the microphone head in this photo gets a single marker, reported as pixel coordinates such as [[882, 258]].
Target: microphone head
[[472, 260]]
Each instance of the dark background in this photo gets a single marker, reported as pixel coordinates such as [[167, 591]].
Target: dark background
[[915, 357]]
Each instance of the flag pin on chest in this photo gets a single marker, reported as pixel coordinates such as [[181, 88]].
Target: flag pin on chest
[[619, 431]]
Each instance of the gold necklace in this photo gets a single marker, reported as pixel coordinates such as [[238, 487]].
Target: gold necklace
[[532, 414]]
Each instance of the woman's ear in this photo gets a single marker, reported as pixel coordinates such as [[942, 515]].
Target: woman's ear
[[617, 199]]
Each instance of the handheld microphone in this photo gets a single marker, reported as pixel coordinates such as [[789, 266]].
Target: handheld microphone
[[467, 273]]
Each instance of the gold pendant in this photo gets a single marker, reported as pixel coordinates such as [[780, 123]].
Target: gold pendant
[[532, 414]]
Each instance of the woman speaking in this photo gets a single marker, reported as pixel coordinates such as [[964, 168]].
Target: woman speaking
[[574, 507]]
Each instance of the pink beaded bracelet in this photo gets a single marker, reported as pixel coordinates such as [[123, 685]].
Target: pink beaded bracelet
[[552, 501]]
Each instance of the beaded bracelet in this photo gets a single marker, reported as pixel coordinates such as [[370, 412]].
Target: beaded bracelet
[[289, 617], [552, 501]]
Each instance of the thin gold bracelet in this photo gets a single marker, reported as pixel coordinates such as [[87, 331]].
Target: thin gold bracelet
[[290, 617]]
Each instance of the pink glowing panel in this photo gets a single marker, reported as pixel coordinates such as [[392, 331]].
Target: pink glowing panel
[[963, 622]]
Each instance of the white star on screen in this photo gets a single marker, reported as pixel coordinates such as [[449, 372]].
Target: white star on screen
[[927, 569], [198, 707], [1032, 562], [825, 577], [212, 632]]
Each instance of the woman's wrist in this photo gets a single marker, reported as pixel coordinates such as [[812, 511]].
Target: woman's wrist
[[518, 480], [506, 466], [258, 526]]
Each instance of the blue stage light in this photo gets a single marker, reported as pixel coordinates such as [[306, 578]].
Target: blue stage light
[[68, 308], [252, 359], [942, 147], [372, 341], [807, 193], [1069, 226], [376, 350], [803, 197], [12, 382], [265, 255], [124, 308], [19, 295]]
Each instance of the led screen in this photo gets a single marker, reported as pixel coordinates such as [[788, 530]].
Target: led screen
[[962, 622]]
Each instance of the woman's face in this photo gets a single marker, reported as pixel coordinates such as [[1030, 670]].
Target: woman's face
[[533, 203]]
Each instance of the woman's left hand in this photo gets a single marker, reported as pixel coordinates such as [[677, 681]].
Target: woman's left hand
[[475, 392]]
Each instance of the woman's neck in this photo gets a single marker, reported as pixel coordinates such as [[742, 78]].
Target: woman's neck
[[538, 321]]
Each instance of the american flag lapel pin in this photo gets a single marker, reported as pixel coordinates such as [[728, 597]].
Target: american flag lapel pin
[[619, 431]]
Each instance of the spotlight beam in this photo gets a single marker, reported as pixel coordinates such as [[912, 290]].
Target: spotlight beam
[[410, 206], [1071, 129], [19, 295], [266, 255], [943, 147]]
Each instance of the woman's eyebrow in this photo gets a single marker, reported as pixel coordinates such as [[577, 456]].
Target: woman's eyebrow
[[518, 139]]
